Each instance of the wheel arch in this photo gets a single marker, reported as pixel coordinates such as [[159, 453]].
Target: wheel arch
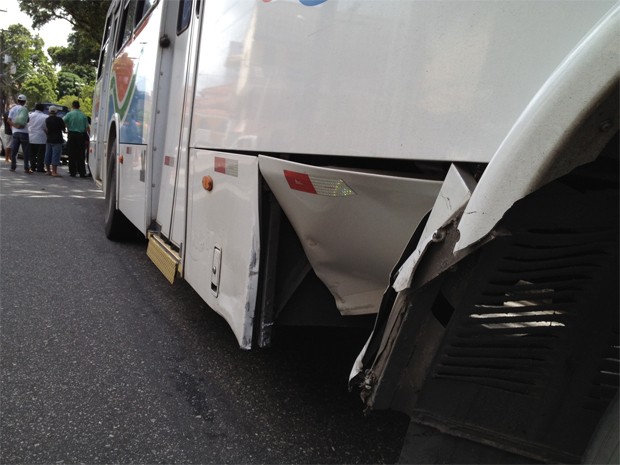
[[567, 124], [514, 342], [111, 134]]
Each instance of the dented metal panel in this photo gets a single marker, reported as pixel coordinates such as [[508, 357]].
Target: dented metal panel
[[352, 225]]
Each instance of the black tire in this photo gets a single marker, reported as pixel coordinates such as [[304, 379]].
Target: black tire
[[117, 226]]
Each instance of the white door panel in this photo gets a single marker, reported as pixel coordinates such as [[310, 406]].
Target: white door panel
[[176, 77], [222, 245]]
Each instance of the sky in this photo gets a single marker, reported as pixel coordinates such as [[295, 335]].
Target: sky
[[53, 34]]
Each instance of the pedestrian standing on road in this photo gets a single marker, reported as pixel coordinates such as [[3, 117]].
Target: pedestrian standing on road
[[38, 138], [78, 130], [18, 119], [54, 126], [8, 136], [87, 150]]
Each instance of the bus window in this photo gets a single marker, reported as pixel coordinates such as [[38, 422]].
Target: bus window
[[142, 10], [104, 47], [185, 15], [106, 34], [127, 23], [148, 4]]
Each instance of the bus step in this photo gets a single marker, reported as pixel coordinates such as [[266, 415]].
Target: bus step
[[163, 256]]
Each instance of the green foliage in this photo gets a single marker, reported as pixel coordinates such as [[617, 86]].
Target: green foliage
[[80, 51], [67, 100], [38, 88], [69, 83], [85, 97], [19, 44], [34, 75], [86, 105], [70, 75], [86, 16]]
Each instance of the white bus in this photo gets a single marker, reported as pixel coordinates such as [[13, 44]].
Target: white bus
[[445, 172]]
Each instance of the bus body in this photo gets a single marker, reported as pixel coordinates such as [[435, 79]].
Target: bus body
[[360, 163]]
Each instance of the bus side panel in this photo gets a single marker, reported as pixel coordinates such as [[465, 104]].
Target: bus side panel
[[96, 151], [222, 253], [131, 99], [101, 113], [132, 186], [380, 79]]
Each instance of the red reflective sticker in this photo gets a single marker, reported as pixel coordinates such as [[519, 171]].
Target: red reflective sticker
[[299, 181], [220, 165]]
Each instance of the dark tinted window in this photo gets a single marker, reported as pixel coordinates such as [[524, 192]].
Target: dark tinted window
[[62, 110], [104, 46], [185, 15], [129, 20], [142, 9]]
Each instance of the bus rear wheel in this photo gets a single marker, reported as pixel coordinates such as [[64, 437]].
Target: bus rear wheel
[[116, 224]]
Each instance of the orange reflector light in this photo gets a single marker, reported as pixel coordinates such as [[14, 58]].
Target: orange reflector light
[[330, 187], [207, 183]]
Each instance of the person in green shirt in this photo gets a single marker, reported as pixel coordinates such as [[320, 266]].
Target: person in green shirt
[[78, 131]]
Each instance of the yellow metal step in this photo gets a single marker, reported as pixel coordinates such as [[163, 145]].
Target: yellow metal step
[[163, 256]]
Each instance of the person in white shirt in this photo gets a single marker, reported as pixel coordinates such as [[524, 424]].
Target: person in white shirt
[[38, 138], [20, 133]]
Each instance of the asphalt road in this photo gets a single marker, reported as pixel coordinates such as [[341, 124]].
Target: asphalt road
[[102, 361]]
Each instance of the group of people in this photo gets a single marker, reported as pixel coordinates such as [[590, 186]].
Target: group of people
[[41, 138]]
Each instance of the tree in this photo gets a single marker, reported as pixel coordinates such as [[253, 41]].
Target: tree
[[69, 83], [78, 60], [84, 96], [86, 16], [38, 88], [34, 75], [79, 56]]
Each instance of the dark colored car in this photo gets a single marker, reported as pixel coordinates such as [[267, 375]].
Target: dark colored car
[[62, 110]]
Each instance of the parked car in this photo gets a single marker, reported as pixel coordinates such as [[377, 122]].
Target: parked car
[[62, 109]]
